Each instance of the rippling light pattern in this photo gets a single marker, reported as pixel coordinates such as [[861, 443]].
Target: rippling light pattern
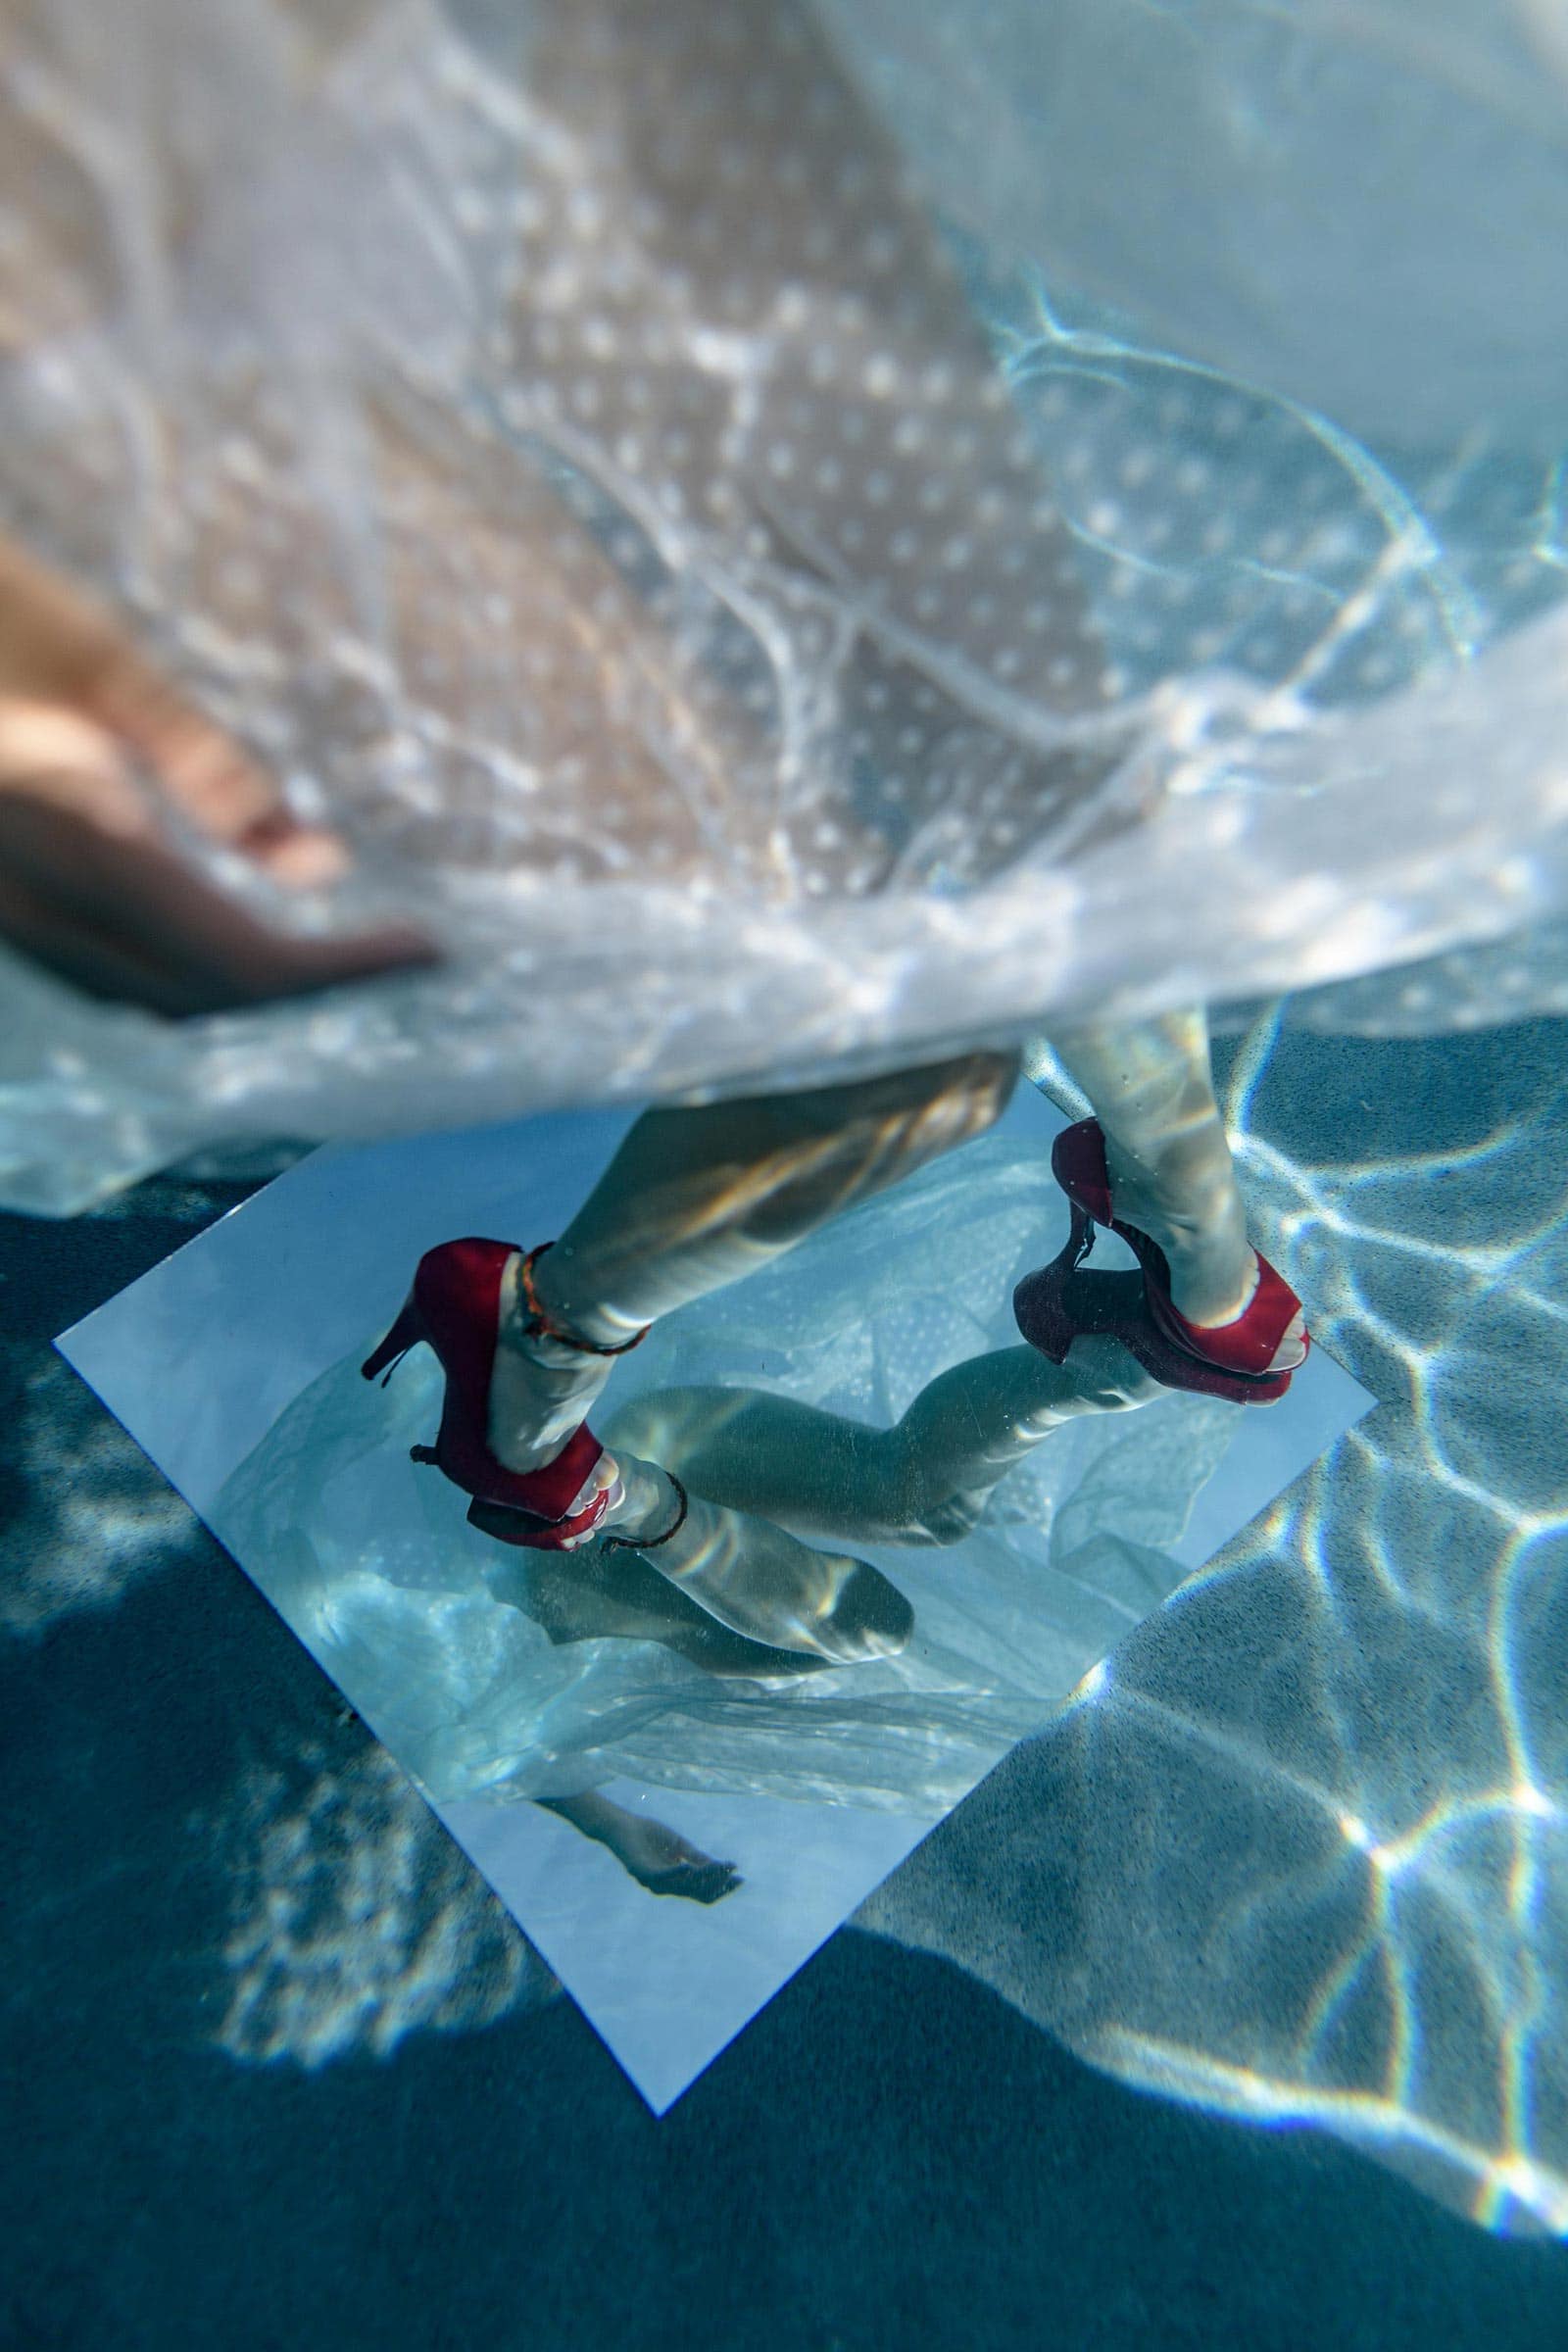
[[356, 1919], [1328, 573], [1315, 1812], [1461, 1851], [89, 1517]]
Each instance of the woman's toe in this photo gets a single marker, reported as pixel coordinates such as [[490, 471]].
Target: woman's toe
[[1292, 1349], [696, 1881], [870, 1619]]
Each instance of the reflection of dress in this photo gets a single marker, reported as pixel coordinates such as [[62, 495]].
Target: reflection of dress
[[486, 1669]]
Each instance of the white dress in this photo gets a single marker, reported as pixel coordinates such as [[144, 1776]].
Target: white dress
[[745, 624]]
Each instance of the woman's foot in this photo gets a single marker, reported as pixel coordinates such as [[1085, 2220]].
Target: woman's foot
[[542, 1390], [657, 1857], [755, 1578], [455, 1306], [1191, 1207]]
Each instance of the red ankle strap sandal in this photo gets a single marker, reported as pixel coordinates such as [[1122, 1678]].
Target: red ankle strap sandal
[[454, 1308], [1062, 1301]]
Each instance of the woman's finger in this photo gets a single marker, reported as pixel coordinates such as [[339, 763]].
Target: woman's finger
[[90, 887], [60, 650]]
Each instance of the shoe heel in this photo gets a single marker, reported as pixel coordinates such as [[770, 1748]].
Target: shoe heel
[[1081, 1239], [1040, 1309], [406, 1333]]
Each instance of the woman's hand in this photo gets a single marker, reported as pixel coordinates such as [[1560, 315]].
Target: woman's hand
[[91, 885]]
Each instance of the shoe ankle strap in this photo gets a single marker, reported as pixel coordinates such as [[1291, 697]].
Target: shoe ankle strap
[[540, 1325], [683, 1503]]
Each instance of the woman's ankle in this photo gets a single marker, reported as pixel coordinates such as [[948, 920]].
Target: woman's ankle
[[1189, 1203], [541, 1391], [567, 1301], [1211, 1291], [647, 1502]]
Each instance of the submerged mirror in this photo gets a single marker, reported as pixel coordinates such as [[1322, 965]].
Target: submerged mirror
[[678, 1814]]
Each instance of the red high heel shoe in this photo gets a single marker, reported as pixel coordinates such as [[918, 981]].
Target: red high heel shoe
[[1054, 1306], [454, 1308]]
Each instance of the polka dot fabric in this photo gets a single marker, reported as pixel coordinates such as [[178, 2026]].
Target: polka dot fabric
[[754, 629], [730, 301]]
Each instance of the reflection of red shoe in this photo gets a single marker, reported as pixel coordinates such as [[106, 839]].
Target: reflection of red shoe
[[1228, 1359], [454, 1308]]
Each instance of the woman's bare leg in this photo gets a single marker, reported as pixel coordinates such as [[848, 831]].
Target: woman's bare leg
[[926, 1481], [691, 1199], [695, 1198], [1171, 1173], [657, 1857]]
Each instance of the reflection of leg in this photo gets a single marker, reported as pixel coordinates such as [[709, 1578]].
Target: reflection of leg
[[969, 1427], [926, 1481], [748, 1573], [597, 1595], [755, 1578], [1169, 1162], [657, 1857]]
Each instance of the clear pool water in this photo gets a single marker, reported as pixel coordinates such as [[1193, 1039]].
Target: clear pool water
[[1232, 2007]]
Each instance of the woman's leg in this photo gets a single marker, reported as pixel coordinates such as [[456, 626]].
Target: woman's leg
[[1171, 1174], [657, 1857], [691, 1199], [926, 1481], [695, 1198]]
